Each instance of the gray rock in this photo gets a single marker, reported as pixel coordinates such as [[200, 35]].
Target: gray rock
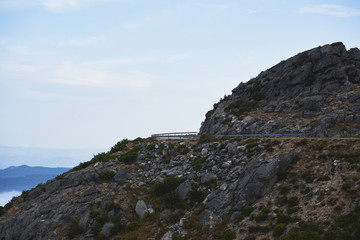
[[121, 176], [208, 176], [167, 236], [204, 152], [106, 229], [165, 213], [183, 190], [141, 208]]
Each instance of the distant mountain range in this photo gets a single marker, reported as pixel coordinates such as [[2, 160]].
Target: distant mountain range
[[24, 177], [49, 157]]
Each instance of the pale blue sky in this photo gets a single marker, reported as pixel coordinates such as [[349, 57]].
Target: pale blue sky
[[87, 73]]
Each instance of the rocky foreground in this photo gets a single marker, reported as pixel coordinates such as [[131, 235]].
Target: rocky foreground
[[207, 189]]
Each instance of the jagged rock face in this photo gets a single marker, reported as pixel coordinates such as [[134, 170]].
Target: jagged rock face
[[316, 92]]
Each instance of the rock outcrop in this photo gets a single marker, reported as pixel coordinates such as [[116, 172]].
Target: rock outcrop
[[316, 92]]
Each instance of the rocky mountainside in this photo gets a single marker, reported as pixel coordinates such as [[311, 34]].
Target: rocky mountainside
[[316, 92], [218, 188]]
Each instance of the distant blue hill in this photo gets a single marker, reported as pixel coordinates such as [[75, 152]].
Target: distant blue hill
[[24, 177]]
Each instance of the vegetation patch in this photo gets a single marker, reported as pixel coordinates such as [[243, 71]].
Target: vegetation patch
[[129, 157], [167, 185], [74, 228], [107, 175], [197, 163], [241, 106], [119, 146]]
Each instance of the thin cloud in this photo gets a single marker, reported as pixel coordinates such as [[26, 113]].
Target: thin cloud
[[83, 41], [71, 74], [334, 10], [51, 5], [61, 5]]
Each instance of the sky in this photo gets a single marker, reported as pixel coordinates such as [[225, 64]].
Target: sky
[[87, 73]]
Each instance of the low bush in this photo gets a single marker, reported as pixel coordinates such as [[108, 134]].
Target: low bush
[[261, 217], [167, 185], [254, 229], [247, 210], [107, 175], [293, 201], [74, 228], [182, 149], [282, 218], [197, 163], [229, 235], [206, 138], [279, 229], [284, 190], [119, 146], [308, 177], [241, 106], [130, 156]]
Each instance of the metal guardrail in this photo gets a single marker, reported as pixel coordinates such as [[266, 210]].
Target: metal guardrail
[[180, 135], [263, 135], [175, 135]]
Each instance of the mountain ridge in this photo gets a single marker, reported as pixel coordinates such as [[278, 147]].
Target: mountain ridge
[[222, 188], [23, 177], [316, 92]]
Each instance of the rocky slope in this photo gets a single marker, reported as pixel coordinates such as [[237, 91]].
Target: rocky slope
[[207, 189], [221, 188], [316, 92]]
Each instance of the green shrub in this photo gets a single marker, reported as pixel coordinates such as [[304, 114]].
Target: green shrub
[[240, 217], [101, 236], [206, 138], [122, 227], [293, 210], [265, 210], [254, 229], [293, 201], [284, 190], [212, 183], [196, 195], [130, 156], [107, 175], [261, 217], [282, 218], [197, 163], [171, 200], [119, 146], [150, 147], [174, 218], [229, 235], [346, 187], [302, 142], [241, 106], [167, 185], [250, 237], [74, 228], [279, 229], [182, 149], [247, 210], [324, 178], [308, 177]]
